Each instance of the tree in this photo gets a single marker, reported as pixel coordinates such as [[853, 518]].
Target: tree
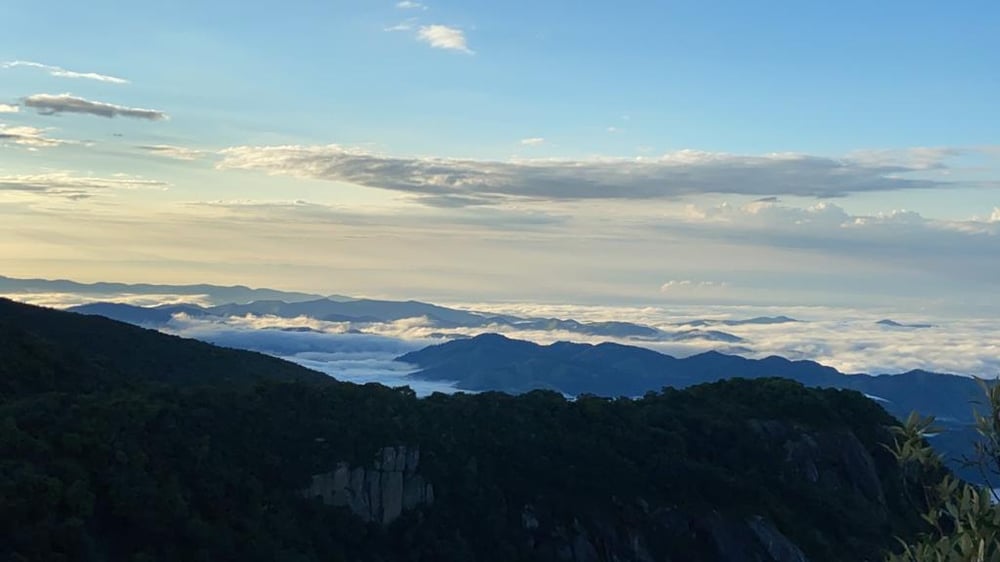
[[963, 519]]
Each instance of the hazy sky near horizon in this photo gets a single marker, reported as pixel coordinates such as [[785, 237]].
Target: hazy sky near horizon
[[631, 152]]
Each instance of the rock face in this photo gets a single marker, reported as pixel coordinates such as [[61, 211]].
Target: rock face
[[835, 460], [628, 535], [379, 493], [832, 460]]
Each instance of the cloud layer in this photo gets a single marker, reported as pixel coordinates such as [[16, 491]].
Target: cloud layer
[[52, 104], [7, 108], [673, 175], [63, 73], [847, 339], [70, 186]]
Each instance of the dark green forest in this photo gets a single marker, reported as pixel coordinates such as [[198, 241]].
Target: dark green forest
[[118, 443]]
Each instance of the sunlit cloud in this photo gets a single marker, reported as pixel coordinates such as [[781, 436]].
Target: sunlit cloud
[[175, 152], [444, 37], [31, 137]]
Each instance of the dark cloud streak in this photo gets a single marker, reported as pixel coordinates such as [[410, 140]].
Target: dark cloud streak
[[457, 182], [53, 104]]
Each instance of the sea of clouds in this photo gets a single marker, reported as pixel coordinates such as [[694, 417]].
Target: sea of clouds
[[849, 340]]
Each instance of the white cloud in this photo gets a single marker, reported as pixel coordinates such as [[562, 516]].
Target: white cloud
[[31, 137], [175, 152], [63, 73], [52, 104], [410, 5], [70, 186], [6, 108], [444, 37], [532, 141], [613, 130], [673, 175]]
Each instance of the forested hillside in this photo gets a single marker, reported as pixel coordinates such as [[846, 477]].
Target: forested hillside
[[250, 467]]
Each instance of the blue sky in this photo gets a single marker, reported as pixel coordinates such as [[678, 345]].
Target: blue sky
[[765, 151]]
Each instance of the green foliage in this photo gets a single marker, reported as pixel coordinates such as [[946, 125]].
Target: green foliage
[[213, 473], [963, 520]]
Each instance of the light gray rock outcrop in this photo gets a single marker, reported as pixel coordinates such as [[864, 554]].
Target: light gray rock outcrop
[[380, 493]]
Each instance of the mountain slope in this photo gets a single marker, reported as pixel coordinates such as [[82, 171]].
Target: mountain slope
[[763, 470], [50, 350]]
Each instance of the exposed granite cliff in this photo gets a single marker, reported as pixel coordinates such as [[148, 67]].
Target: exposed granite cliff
[[379, 493]]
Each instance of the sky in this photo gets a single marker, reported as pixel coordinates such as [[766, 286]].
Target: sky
[[639, 153]]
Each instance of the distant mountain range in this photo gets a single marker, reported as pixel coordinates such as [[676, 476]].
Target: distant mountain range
[[368, 311], [759, 320], [214, 293], [239, 300]]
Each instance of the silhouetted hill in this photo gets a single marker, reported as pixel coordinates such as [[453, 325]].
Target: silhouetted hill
[[138, 315], [494, 362], [893, 324], [45, 349]]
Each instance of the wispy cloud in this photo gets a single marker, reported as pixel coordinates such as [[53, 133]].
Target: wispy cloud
[[63, 73], [920, 157], [673, 175], [410, 5], [532, 141], [444, 37], [31, 137], [404, 26], [675, 285], [6, 108], [71, 186], [175, 152], [52, 104]]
